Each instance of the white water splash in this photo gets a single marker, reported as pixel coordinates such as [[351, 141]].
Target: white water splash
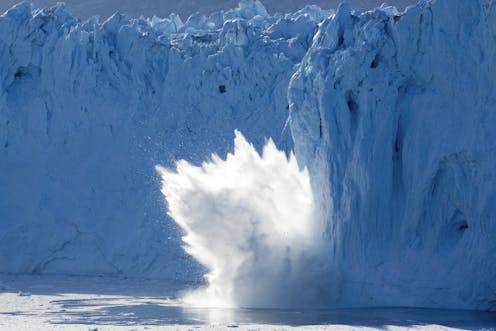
[[251, 221]]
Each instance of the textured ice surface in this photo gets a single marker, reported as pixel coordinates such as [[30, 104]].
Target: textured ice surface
[[394, 116], [87, 8], [87, 109], [392, 113]]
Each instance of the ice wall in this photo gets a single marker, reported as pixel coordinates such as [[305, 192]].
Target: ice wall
[[87, 109], [392, 113], [394, 116]]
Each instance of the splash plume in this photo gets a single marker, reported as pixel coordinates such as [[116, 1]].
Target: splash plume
[[252, 222]]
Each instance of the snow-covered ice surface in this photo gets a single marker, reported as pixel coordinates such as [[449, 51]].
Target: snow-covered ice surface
[[89, 303]]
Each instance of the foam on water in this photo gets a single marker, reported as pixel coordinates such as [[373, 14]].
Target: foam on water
[[252, 222]]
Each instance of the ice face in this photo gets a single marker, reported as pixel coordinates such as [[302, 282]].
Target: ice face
[[391, 113], [88, 108]]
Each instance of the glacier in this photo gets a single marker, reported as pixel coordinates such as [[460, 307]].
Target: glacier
[[391, 112], [394, 116], [87, 109]]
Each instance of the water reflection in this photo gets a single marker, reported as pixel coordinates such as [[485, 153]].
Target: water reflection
[[356, 317], [127, 311], [110, 301]]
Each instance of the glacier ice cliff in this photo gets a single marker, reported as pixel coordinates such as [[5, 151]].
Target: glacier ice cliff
[[392, 113], [394, 116], [87, 109]]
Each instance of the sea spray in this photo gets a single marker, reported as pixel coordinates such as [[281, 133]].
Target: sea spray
[[252, 222]]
